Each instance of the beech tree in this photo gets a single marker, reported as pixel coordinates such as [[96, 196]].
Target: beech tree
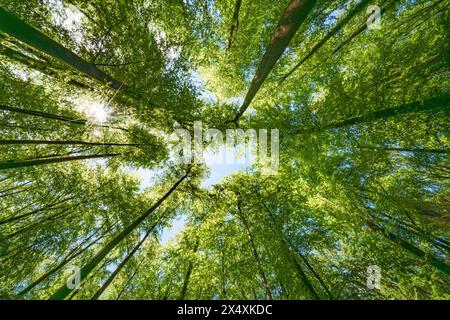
[[91, 193]]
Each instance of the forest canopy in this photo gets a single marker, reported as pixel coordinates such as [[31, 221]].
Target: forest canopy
[[92, 92]]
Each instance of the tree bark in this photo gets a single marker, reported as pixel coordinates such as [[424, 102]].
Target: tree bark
[[356, 10], [64, 142], [292, 18], [439, 103], [32, 163], [64, 291], [235, 22], [121, 265], [15, 27], [188, 274], [413, 150]]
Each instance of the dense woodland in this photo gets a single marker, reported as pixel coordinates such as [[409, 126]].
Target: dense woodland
[[364, 176]]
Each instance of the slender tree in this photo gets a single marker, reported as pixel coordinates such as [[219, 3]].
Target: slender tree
[[32, 163], [293, 16], [436, 104], [353, 12], [64, 291], [13, 26]]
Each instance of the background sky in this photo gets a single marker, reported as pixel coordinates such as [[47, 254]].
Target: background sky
[[218, 172]]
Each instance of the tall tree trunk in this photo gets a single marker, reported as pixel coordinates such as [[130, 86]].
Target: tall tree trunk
[[36, 65], [65, 142], [32, 163], [63, 213], [167, 291], [294, 15], [64, 291], [436, 104], [356, 10], [15, 27], [255, 252], [24, 215], [47, 115], [122, 264], [235, 22], [187, 276], [438, 264], [3, 125], [360, 29], [129, 280], [287, 247], [75, 291], [316, 275], [7, 192], [438, 242], [413, 150], [72, 255]]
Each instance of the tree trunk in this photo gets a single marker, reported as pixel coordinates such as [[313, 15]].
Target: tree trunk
[[55, 117], [122, 264], [292, 254], [32, 163], [292, 18], [255, 253], [129, 280], [235, 22], [438, 264], [15, 27], [64, 142], [46, 207], [43, 115], [188, 274], [413, 150], [64, 291], [356, 10], [72, 255], [439, 103], [36, 65], [360, 29]]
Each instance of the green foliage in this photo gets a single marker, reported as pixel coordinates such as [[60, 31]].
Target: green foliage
[[364, 173]]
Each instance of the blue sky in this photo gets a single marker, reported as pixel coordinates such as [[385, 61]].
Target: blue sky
[[171, 232], [217, 173]]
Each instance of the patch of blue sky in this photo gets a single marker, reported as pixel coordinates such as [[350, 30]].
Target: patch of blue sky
[[224, 162], [147, 177], [94, 163], [237, 100], [219, 172], [345, 165], [170, 233], [332, 18], [206, 95], [248, 74]]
